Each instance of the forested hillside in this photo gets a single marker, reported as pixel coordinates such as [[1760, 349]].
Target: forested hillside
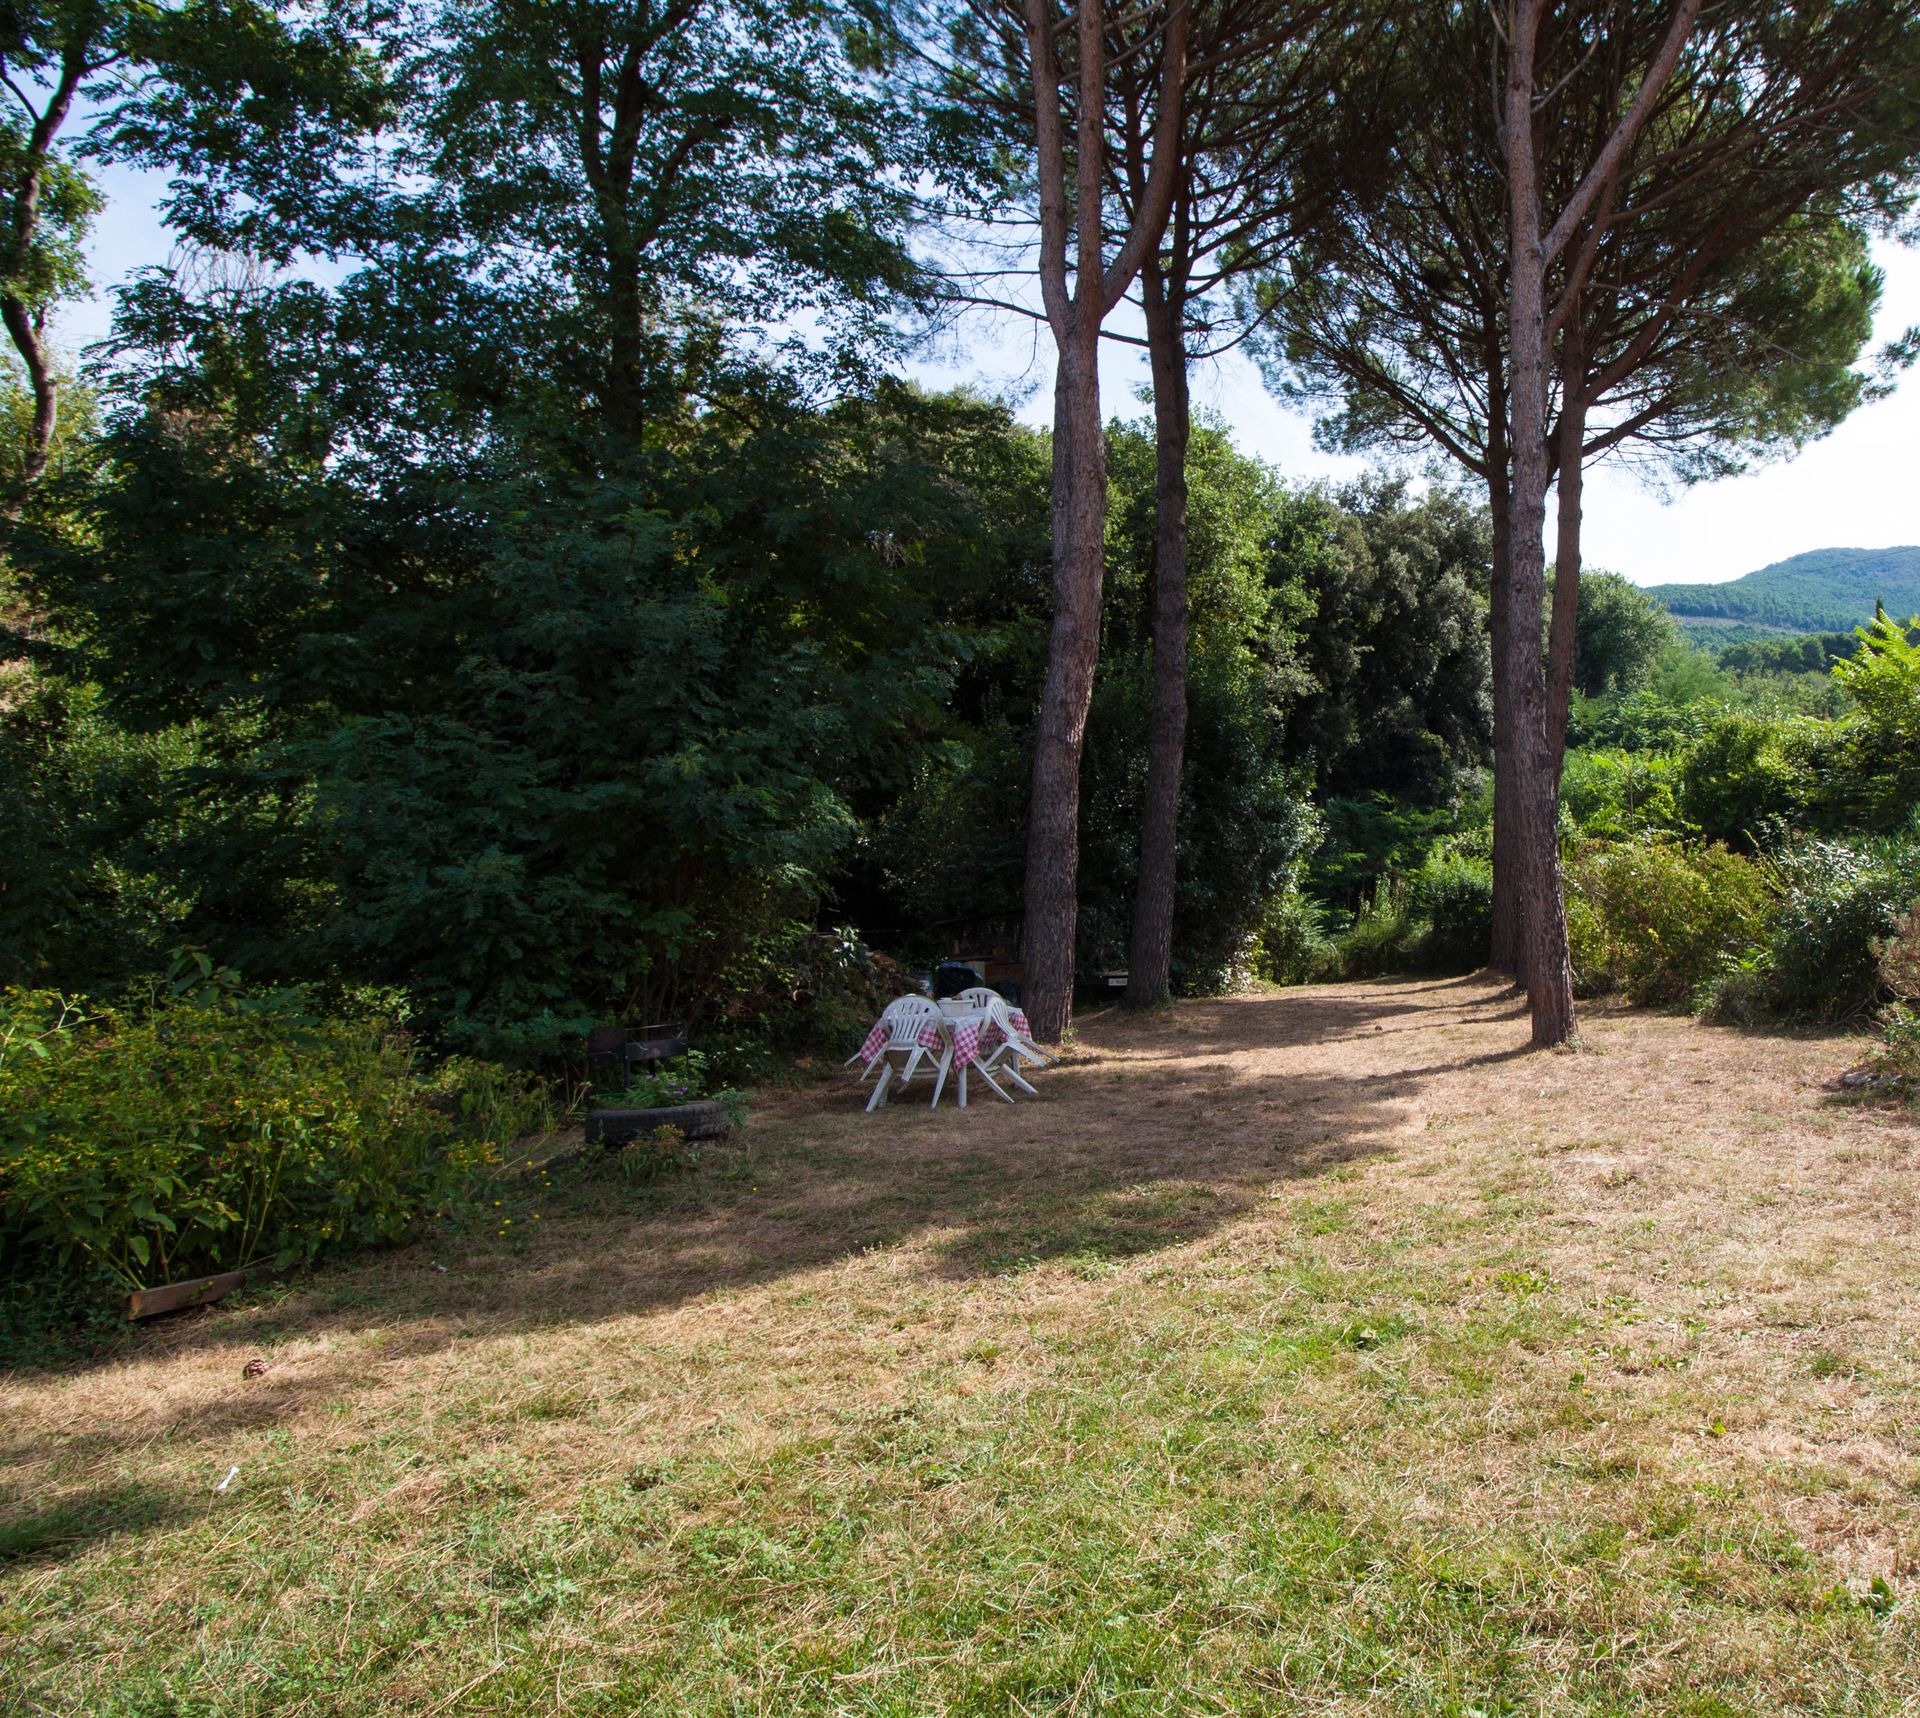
[[1823, 590]]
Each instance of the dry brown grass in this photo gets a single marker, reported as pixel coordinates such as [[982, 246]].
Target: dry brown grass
[[1354, 1359]]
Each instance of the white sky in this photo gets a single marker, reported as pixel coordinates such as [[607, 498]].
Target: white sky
[[1856, 489]]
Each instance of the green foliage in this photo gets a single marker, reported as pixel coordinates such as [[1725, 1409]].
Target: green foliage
[[606, 776], [1687, 693], [1810, 653], [1620, 636], [1435, 918], [1840, 900], [1661, 920], [1899, 961], [953, 847], [1452, 893], [1821, 590], [1397, 695], [1883, 680], [1384, 932], [1245, 822], [657, 1153], [74, 899], [1898, 1052], [1296, 945], [1368, 838], [1741, 776], [1899, 956], [222, 1128], [681, 1081], [75, 432], [950, 850], [1612, 794]]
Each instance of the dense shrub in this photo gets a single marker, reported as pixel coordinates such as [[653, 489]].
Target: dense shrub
[[1900, 1025], [1384, 934], [1611, 794], [952, 850], [1659, 920], [1437, 917], [1621, 635], [1741, 776], [1840, 899], [1296, 946], [1369, 838], [1451, 895], [1883, 679], [218, 1129], [1899, 956], [1899, 1052]]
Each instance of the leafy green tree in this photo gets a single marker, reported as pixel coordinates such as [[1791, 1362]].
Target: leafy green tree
[[950, 849], [253, 102], [665, 170], [542, 617], [1649, 182], [1394, 653], [1622, 635], [1883, 680]]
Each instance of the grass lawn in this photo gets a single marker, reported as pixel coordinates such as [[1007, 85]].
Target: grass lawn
[[1313, 1352]]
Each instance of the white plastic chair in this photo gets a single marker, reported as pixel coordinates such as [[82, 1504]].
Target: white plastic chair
[[1013, 1048], [906, 1017], [976, 1000], [978, 1066], [887, 1016]]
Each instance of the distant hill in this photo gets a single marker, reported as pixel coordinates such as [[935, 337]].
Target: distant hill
[[1824, 590]]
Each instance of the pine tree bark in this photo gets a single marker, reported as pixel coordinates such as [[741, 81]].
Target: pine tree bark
[[1504, 952], [1563, 637], [1150, 956], [1073, 648], [1075, 315], [1545, 961]]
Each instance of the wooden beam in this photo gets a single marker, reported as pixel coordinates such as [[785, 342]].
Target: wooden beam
[[171, 1297]]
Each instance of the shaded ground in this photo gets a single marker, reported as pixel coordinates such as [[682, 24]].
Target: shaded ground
[[1307, 1352]]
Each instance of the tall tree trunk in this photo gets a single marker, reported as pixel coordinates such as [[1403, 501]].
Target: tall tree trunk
[[1545, 962], [1563, 638], [26, 321], [27, 328], [1075, 317], [1507, 943], [1150, 958], [1053, 834]]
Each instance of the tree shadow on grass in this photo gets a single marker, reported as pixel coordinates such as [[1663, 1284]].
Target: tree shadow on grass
[[1153, 1132], [62, 1528]]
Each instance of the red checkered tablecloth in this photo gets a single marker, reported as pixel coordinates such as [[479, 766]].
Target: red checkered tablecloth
[[968, 1035]]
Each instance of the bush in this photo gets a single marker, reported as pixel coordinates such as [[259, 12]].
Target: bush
[[658, 1153], [1899, 956], [1436, 918], [219, 1129], [1661, 920], [1295, 946], [1452, 895], [1367, 839], [1740, 776], [1841, 899], [1883, 680], [1384, 933], [1612, 795], [1899, 1052]]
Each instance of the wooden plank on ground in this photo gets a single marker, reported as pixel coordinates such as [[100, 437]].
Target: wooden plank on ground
[[171, 1297]]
